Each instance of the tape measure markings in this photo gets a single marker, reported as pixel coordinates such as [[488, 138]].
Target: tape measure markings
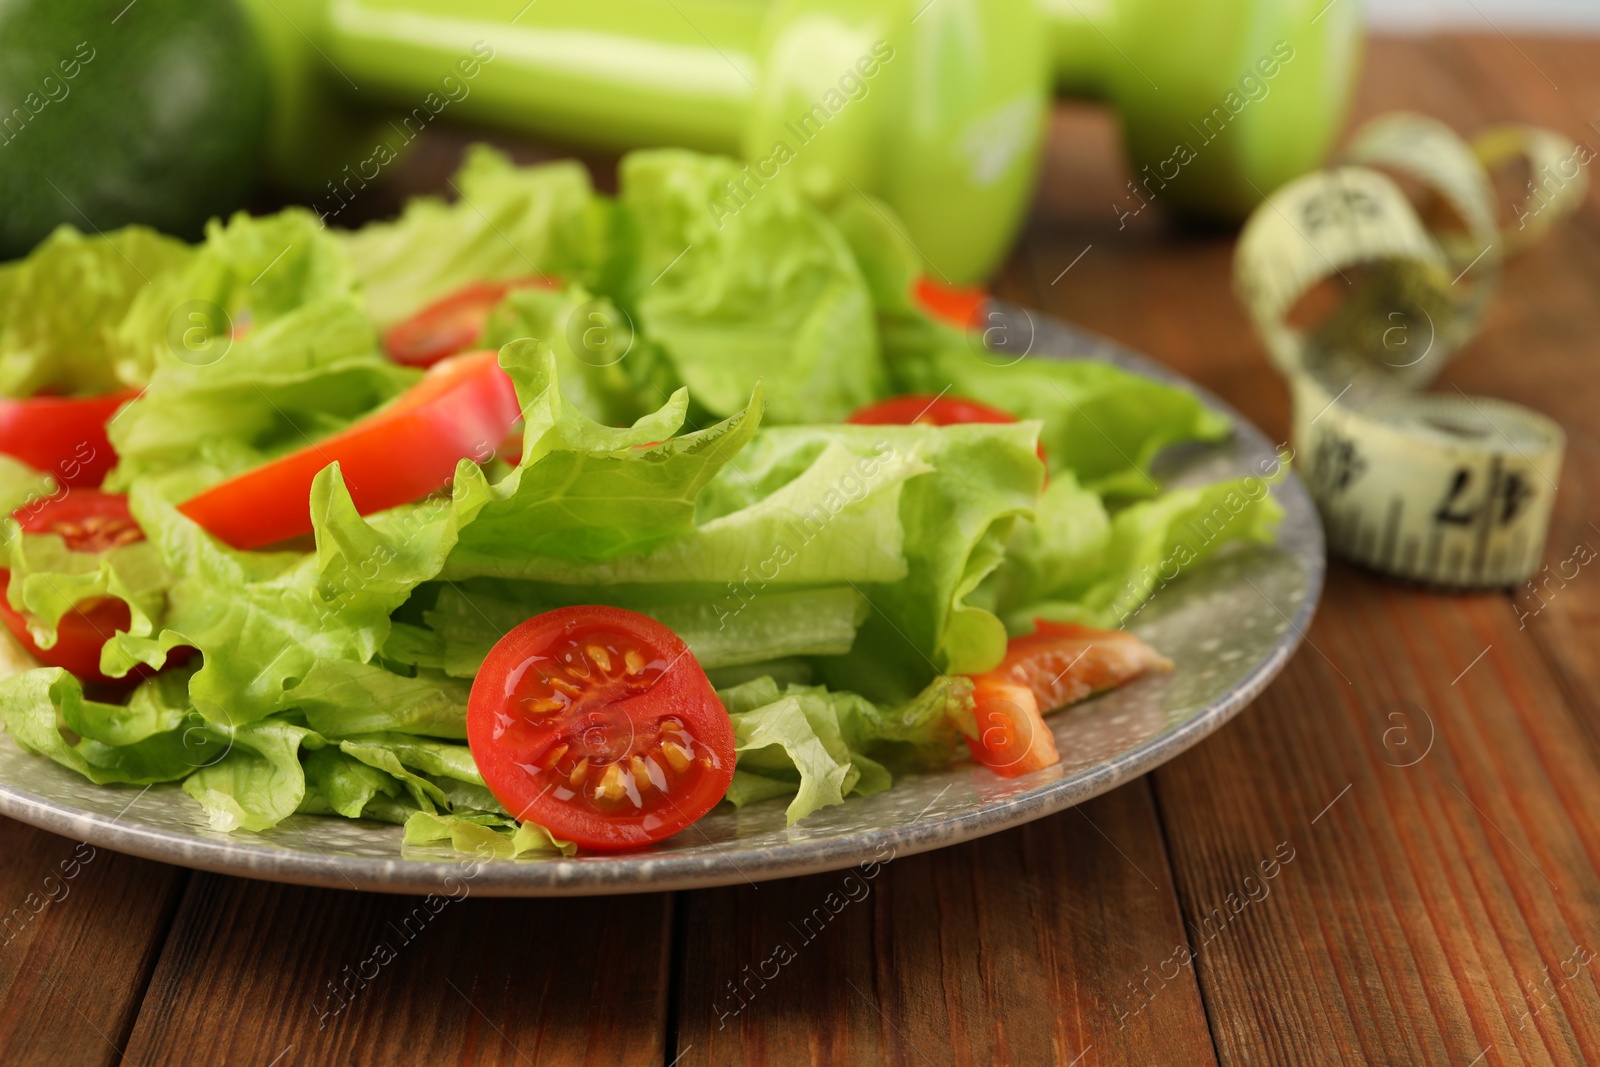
[[1448, 490]]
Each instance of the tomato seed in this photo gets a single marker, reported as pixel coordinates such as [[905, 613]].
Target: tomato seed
[[653, 770], [641, 774], [543, 705], [610, 786]]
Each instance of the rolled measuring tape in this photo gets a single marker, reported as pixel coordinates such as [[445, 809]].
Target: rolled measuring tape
[[1441, 488]]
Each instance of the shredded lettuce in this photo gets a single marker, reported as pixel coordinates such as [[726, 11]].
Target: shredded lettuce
[[682, 376]]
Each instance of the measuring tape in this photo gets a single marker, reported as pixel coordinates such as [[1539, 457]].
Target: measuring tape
[[1442, 488]]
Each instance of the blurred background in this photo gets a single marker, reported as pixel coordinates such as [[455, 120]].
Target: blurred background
[[1528, 16], [967, 117]]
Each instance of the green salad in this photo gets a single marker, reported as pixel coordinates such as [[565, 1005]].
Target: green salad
[[304, 560]]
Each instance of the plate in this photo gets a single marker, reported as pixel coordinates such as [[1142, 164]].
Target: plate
[[1229, 626]]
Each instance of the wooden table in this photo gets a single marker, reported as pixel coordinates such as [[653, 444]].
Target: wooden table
[[1437, 890]]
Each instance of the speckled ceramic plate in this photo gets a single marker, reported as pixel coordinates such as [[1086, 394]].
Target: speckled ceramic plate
[[1229, 626]]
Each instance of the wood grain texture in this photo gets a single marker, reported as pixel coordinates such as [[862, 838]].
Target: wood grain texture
[[1009, 950], [79, 931], [1392, 858], [1542, 348], [1457, 859], [1441, 912], [254, 971]]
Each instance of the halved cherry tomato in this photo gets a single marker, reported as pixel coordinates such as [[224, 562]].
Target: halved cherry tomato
[[450, 325], [1056, 665], [914, 408], [64, 436], [599, 725], [960, 306], [463, 407], [88, 521]]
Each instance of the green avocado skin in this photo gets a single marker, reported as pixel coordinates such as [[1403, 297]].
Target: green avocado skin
[[114, 113]]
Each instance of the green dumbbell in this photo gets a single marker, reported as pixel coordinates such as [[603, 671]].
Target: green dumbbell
[[1221, 101], [938, 111], [935, 106]]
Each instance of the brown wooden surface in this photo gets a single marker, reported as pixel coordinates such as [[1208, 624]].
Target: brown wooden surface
[[1422, 784]]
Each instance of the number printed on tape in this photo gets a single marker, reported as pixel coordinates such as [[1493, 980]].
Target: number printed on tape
[[1452, 490]]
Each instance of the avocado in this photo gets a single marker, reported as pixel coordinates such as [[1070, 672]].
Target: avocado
[[149, 111]]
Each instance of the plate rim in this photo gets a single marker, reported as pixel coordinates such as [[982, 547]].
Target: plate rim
[[661, 872]]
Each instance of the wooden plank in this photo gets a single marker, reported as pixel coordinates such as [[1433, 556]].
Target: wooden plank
[[1446, 854], [1421, 911], [256, 973], [1018, 948], [1541, 350], [79, 934], [1414, 923]]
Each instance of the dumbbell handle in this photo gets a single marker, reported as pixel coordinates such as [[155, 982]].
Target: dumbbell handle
[[950, 134], [935, 108], [618, 74]]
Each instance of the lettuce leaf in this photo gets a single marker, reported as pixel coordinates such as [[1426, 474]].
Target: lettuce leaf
[[608, 371], [1078, 568], [23, 487], [770, 292], [151, 740], [811, 743], [342, 697], [259, 782], [467, 618], [954, 518], [489, 840], [791, 745], [262, 620], [838, 522], [287, 383], [47, 579], [339, 783], [1104, 424], [61, 304], [589, 492], [508, 222], [1058, 554], [247, 273]]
